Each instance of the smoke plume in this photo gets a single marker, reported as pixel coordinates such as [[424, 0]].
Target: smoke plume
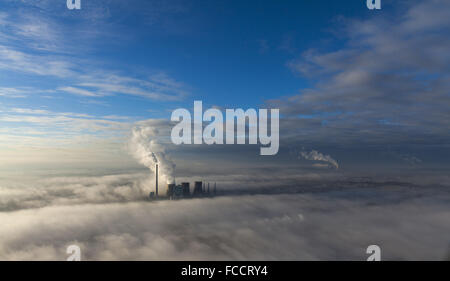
[[315, 155], [147, 149]]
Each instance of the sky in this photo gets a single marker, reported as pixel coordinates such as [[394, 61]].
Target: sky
[[347, 80], [353, 82], [87, 95]]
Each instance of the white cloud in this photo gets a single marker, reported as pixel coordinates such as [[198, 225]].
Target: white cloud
[[57, 128], [388, 84], [14, 92], [31, 43], [406, 223], [80, 92], [11, 59], [31, 111], [156, 87]]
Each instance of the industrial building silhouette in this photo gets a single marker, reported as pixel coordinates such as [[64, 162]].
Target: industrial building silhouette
[[182, 190]]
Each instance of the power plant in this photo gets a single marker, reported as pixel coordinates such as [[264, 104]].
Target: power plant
[[182, 190]]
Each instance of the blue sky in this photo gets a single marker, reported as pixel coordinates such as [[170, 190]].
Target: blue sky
[[348, 81], [227, 53]]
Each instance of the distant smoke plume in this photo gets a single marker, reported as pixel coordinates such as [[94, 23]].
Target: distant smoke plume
[[317, 156], [145, 147]]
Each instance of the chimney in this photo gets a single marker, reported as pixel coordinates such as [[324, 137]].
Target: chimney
[[156, 180]]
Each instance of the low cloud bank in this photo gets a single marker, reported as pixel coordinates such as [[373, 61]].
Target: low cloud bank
[[107, 218]]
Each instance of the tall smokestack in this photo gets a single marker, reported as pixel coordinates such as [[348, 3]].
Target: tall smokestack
[[156, 173], [156, 180]]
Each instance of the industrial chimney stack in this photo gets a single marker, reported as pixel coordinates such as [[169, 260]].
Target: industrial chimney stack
[[156, 174], [156, 180]]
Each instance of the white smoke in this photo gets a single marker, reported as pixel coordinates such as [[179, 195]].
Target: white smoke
[[147, 149], [315, 155]]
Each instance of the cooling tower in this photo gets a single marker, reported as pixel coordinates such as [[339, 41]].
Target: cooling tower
[[198, 188], [186, 189], [170, 188]]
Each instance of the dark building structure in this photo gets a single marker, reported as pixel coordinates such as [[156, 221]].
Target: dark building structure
[[186, 189], [170, 189], [198, 189], [182, 191]]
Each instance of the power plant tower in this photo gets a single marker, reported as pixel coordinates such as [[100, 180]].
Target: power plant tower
[[186, 189], [198, 189], [156, 180], [179, 191], [170, 190]]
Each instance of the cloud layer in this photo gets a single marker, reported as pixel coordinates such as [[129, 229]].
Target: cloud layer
[[388, 84], [107, 218]]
